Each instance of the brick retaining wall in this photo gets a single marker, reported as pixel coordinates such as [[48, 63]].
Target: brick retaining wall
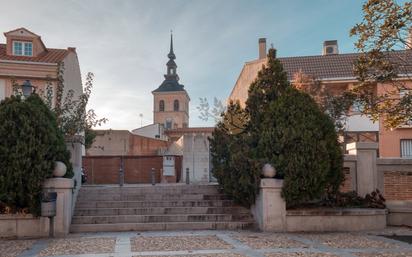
[[397, 185]]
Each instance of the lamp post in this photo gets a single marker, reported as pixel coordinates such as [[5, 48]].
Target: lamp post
[[27, 88]]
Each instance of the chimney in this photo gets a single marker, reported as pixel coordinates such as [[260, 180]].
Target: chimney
[[262, 48], [330, 47]]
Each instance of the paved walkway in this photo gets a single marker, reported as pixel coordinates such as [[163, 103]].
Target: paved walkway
[[214, 244]]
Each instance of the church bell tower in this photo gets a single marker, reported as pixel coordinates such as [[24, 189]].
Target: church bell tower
[[171, 101]]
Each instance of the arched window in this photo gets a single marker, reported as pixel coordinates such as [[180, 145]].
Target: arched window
[[176, 105], [162, 106]]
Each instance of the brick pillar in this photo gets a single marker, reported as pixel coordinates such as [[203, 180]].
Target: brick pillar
[[366, 169], [269, 210]]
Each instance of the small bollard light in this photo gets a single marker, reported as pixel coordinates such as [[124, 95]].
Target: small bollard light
[[187, 176], [153, 177]]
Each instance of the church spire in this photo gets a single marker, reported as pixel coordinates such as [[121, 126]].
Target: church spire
[[171, 65], [171, 54]]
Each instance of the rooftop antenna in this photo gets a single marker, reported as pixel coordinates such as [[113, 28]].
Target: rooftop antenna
[[141, 119]]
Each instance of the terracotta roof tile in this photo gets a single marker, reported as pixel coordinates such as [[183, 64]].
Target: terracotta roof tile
[[50, 56], [331, 66]]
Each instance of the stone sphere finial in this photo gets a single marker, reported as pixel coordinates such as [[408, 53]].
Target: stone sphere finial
[[268, 171], [59, 169]]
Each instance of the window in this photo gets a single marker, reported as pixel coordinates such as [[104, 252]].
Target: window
[[357, 107], [162, 106], [168, 124], [22, 48], [176, 105], [17, 48], [406, 148]]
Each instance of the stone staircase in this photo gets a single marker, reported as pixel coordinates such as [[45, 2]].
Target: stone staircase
[[160, 207]]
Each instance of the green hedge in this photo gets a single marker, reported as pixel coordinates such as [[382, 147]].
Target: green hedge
[[30, 143]]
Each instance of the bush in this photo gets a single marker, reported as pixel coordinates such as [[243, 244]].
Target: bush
[[232, 166], [281, 126], [30, 143], [301, 143]]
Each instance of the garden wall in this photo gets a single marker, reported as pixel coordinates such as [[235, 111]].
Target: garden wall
[[137, 169], [364, 173], [394, 177]]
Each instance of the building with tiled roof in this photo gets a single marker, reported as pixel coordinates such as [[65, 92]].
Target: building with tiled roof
[[24, 58], [336, 71]]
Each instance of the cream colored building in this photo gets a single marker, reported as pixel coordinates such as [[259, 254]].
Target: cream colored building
[[25, 58]]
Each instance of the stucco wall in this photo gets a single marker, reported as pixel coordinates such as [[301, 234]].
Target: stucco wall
[[72, 76], [122, 142]]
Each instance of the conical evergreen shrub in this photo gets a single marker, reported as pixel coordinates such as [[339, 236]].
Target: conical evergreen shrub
[[281, 126], [301, 143], [30, 143]]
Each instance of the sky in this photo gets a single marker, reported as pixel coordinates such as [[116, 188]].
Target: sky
[[125, 43]]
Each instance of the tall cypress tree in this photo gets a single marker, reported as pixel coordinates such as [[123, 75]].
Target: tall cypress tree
[[283, 127]]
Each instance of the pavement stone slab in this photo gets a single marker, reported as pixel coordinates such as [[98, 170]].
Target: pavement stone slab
[[13, 248], [76, 246], [169, 243], [208, 243]]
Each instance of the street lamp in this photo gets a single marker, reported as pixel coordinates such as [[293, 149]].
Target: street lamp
[[27, 88]]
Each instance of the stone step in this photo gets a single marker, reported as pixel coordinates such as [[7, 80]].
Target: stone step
[[147, 204], [159, 210], [150, 197], [158, 218], [234, 225], [200, 189]]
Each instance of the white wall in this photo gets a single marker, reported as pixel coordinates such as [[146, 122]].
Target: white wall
[[357, 122], [150, 131], [196, 157], [2, 89], [72, 76]]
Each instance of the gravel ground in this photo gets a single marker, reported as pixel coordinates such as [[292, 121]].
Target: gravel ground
[[262, 241], [384, 254], [300, 255], [12, 248], [347, 240], [176, 243], [201, 255], [214, 244], [79, 246]]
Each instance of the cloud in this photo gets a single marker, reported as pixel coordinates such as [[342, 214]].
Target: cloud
[[125, 43]]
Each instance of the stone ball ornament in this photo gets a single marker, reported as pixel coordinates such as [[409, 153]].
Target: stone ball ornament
[[59, 169], [268, 171]]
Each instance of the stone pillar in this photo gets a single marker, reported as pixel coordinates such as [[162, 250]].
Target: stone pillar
[[76, 149], [64, 189], [269, 210], [366, 168]]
